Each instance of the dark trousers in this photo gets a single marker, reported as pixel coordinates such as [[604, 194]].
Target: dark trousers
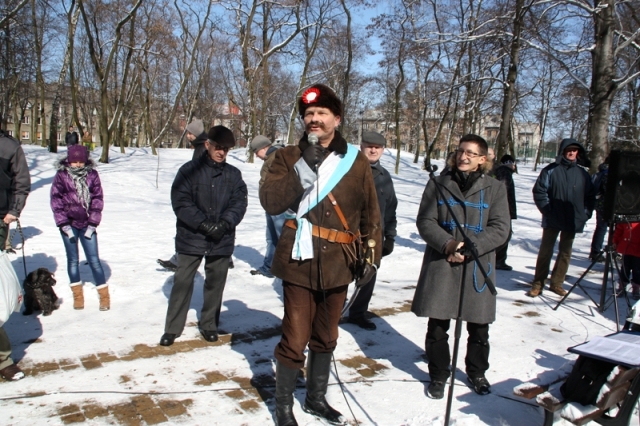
[[549, 236], [215, 268], [437, 349], [501, 252], [598, 234], [361, 303], [310, 317]]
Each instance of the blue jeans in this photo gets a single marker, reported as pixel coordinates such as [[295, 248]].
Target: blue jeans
[[90, 247], [274, 229]]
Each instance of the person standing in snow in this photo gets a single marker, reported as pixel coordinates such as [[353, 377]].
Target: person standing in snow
[[372, 146], [77, 202], [326, 187], [565, 196], [209, 199], [15, 185], [264, 149], [480, 204], [504, 173]]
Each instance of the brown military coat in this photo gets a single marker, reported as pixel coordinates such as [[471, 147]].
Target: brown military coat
[[356, 196]]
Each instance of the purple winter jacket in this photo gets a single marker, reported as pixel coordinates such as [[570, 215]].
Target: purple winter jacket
[[66, 207]]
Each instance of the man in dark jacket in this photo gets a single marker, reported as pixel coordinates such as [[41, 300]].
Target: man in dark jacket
[[71, 138], [599, 181], [265, 150], [504, 173], [15, 184], [209, 199], [564, 195], [325, 186], [372, 146], [480, 205]]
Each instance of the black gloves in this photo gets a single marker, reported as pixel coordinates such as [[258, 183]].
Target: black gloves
[[387, 246], [368, 272], [215, 231], [313, 155]]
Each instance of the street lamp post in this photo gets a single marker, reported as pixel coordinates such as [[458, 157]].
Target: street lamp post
[[361, 124]]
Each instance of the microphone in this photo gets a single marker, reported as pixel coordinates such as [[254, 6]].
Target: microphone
[[312, 138]]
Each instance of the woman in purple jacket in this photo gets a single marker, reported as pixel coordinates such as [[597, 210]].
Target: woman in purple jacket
[[76, 201]]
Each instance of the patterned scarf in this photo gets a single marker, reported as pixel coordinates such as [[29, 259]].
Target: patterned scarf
[[79, 176]]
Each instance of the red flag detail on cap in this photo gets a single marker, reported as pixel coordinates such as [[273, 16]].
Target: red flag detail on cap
[[311, 95]]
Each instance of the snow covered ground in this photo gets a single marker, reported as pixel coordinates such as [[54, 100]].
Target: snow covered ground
[[106, 367]]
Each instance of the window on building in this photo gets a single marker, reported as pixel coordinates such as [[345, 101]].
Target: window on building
[[10, 132], [9, 119], [25, 119], [39, 135], [39, 121], [59, 136], [25, 135]]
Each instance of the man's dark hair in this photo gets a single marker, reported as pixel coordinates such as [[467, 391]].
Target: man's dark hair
[[483, 148]]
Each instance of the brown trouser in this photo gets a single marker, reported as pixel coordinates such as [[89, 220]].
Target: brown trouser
[[549, 236], [310, 317]]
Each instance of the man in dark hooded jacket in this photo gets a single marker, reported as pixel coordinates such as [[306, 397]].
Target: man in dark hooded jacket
[[564, 195], [504, 173], [209, 199]]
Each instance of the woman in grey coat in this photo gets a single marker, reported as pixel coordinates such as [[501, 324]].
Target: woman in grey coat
[[480, 205]]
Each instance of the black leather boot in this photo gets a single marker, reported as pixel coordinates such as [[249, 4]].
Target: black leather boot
[[285, 386], [318, 370]]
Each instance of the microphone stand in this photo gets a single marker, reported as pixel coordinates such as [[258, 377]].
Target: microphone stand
[[469, 249]]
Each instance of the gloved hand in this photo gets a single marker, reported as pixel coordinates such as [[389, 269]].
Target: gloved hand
[[89, 232], [215, 231], [387, 246], [67, 230], [368, 272], [451, 246], [313, 155]]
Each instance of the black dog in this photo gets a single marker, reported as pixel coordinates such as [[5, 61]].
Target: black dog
[[38, 292]]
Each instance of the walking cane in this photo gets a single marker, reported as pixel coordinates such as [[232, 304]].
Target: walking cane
[[469, 248]]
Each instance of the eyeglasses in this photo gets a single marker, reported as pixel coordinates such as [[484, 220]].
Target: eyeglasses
[[217, 147], [468, 153]]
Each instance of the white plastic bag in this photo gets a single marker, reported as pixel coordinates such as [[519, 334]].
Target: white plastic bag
[[10, 289]]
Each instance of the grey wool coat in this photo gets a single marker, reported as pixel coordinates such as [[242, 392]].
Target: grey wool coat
[[484, 212]]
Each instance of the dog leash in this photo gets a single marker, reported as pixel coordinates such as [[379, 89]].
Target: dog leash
[[21, 248]]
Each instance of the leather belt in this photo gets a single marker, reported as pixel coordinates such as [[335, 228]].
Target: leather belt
[[331, 235]]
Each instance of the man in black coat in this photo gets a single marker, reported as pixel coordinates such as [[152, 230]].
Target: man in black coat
[[71, 138], [564, 195], [15, 184], [372, 146], [504, 173], [209, 199]]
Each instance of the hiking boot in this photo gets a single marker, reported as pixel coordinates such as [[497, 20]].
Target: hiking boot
[[12, 373], [168, 265], [318, 372], [78, 295], [480, 385], [535, 291], [558, 290], [362, 322], [436, 389]]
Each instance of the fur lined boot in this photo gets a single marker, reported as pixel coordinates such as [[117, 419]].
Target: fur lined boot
[[78, 295], [105, 300]]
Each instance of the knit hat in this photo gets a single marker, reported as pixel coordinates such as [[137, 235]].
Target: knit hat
[[320, 95], [222, 136], [77, 154], [507, 159], [374, 138], [259, 142], [196, 127]]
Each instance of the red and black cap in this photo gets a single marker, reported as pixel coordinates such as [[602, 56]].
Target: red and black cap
[[321, 96]]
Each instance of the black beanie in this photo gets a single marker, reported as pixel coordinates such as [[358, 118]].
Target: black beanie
[[321, 96], [222, 136]]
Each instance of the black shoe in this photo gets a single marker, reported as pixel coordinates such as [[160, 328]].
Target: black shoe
[[261, 272], [168, 265], [480, 385], [504, 267], [209, 336], [323, 410], [167, 339], [362, 322], [596, 257], [436, 390]]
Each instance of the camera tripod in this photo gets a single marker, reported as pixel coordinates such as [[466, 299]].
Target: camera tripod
[[610, 265]]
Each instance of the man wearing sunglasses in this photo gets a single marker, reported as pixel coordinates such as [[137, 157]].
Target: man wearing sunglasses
[[565, 196], [209, 199]]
